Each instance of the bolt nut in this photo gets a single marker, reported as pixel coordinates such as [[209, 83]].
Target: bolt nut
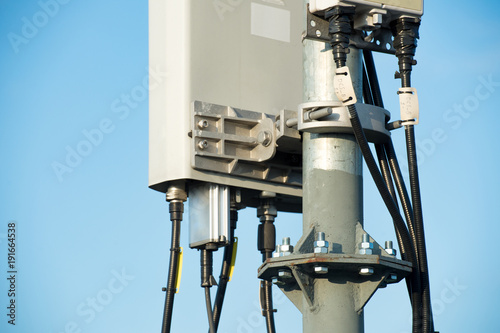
[[286, 249], [320, 269], [277, 281], [391, 278], [365, 251], [277, 253], [321, 243], [377, 19], [320, 250], [284, 275], [366, 271], [366, 245], [392, 252]]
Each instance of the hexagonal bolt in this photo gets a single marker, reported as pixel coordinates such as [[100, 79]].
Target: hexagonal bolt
[[286, 248], [203, 144], [391, 278], [377, 19], [284, 275], [277, 253], [389, 248], [320, 269], [366, 247], [366, 271], [264, 138], [277, 281], [366, 251], [320, 245], [202, 124]]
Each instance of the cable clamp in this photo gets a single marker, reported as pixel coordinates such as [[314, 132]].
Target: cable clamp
[[408, 104], [343, 86]]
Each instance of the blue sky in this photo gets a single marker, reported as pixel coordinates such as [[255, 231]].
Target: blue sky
[[96, 233]]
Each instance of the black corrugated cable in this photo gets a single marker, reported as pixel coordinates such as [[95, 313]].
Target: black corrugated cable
[[207, 280], [226, 266], [367, 91], [401, 188], [419, 228], [389, 148], [372, 73], [407, 245], [389, 155], [405, 32], [340, 29], [176, 209], [209, 310], [266, 243]]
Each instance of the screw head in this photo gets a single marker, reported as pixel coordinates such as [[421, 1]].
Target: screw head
[[202, 124], [264, 138], [203, 144]]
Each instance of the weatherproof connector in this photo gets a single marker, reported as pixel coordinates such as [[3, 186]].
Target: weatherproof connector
[[340, 29], [405, 32]]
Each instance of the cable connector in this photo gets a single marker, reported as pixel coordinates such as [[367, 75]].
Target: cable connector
[[340, 30], [405, 32], [206, 263], [408, 104]]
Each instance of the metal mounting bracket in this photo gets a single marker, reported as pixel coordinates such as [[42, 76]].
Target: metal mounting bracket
[[243, 143], [343, 266], [373, 120], [379, 40]]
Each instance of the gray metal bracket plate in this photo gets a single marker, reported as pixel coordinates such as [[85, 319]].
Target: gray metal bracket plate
[[338, 264], [379, 40], [241, 143], [373, 120]]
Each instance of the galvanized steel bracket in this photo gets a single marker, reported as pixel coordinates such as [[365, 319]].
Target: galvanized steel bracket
[[379, 40], [373, 119]]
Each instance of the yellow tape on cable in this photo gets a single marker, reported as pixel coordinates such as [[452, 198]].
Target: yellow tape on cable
[[179, 272], [233, 258]]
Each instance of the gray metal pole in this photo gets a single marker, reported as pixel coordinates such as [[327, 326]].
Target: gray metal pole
[[332, 195]]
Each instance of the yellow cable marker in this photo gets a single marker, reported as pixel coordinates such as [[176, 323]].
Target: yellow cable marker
[[179, 272], [233, 258]]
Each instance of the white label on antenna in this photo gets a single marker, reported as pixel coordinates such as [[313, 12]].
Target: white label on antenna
[[408, 104], [343, 86], [270, 22]]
